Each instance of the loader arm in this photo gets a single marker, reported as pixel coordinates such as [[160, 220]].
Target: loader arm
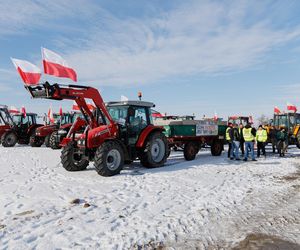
[[72, 92]]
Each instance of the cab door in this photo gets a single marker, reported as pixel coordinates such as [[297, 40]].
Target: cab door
[[136, 121]]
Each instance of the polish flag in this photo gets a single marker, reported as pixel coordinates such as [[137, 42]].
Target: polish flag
[[91, 106], [60, 111], [55, 65], [50, 115], [75, 106], [277, 110], [23, 111], [291, 107], [30, 73], [13, 110], [215, 116]]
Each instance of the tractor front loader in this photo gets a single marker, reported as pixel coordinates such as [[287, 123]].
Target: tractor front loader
[[115, 134]]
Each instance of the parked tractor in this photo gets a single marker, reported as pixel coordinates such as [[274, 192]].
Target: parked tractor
[[244, 120], [290, 121], [21, 127], [6, 121], [118, 133]]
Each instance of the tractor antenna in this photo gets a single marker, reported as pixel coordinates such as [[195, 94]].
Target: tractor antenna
[[140, 95]]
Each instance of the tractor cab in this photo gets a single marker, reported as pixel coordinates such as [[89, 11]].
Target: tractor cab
[[288, 120], [132, 117], [244, 120], [6, 121], [24, 123]]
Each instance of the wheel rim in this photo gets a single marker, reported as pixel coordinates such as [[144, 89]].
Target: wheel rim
[[113, 159], [10, 139], [158, 150]]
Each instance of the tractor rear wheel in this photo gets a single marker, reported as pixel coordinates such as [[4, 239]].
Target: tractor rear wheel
[[35, 141], [216, 148], [156, 151], [190, 151], [71, 160], [52, 141], [9, 139], [109, 159], [47, 141]]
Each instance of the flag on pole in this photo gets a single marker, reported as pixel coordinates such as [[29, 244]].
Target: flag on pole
[[23, 111], [60, 111], [75, 106], [30, 73], [13, 110], [55, 65], [291, 107], [277, 110], [50, 115]]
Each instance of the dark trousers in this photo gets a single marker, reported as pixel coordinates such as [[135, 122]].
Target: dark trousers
[[282, 146], [242, 143], [261, 147], [229, 149]]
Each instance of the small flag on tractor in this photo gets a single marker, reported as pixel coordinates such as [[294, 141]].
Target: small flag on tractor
[[30, 73], [60, 111], [13, 110], [50, 115], [55, 65], [277, 110], [291, 107], [23, 111], [75, 106]]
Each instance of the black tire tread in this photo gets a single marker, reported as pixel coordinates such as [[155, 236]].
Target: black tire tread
[[67, 159]]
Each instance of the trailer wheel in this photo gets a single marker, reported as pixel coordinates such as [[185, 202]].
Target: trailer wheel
[[52, 141], [47, 141], [156, 151], [109, 159], [190, 151], [72, 161], [216, 148], [9, 139], [35, 141]]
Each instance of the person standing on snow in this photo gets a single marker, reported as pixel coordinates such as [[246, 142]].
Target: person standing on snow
[[228, 139], [282, 141], [261, 138], [249, 134], [242, 141], [235, 138]]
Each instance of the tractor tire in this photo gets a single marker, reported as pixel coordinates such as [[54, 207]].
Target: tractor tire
[[47, 141], [109, 159], [190, 151], [35, 141], [9, 139], [156, 151], [52, 142], [298, 140], [71, 161], [216, 148]]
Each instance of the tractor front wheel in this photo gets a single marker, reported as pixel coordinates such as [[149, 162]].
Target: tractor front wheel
[[109, 159], [190, 151], [52, 141], [9, 139], [156, 151], [47, 141], [72, 160], [35, 141], [216, 148]]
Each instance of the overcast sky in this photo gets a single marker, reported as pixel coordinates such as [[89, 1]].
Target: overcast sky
[[232, 57]]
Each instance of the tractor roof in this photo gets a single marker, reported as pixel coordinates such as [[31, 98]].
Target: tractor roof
[[3, 106], [28, 114], [131, 103]]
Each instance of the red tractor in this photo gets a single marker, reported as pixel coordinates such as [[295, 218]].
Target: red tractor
[[6, 121], [118, 133], [18, 129], [43, 134]]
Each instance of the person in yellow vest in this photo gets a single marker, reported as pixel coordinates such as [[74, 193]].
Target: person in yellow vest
[[249, 134], [261, 139], [228, 139]]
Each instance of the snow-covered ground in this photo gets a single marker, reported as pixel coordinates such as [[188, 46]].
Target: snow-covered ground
[[209, 203]]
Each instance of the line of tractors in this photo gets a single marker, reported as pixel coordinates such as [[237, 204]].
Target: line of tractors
[[117, 133]]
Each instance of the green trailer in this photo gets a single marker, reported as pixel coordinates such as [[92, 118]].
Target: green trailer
[[191, 135]]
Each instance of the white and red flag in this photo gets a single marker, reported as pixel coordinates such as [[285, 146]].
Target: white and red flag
[[55, 65], [50, 115], [30, 73], [60, 111], [277, 110], [75, 106], [13, 110], [23, 111], [291, 107], [91, 106]]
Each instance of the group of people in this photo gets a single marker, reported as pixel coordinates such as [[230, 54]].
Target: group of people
[[243, 138]]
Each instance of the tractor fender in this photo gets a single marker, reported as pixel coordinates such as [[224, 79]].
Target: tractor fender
[[33, 128], [145, 133]]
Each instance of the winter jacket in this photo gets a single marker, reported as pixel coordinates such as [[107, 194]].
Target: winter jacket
[[234, 134], [281, 135]]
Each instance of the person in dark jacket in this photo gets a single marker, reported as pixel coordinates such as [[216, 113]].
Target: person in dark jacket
[[282, 142], [242, 141], [235, 138]]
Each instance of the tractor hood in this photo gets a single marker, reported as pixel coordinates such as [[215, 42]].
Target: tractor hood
[[68, 125], [46, 127]]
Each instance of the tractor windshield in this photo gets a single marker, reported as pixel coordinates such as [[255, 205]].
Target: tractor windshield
[[21, 120], [5, 118], [281, 121], [295, 119], [118, 113]]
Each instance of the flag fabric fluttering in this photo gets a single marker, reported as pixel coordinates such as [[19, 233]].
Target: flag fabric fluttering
[[55, 65], [50, 115], [13, 110], [277, 110], [60, 111], [30, 73], [23, 111], [75, 106], [91, 106], [291, 107]]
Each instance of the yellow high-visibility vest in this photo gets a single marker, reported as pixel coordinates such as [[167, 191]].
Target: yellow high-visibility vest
[[247, 134], [227, 134], [261, 135]]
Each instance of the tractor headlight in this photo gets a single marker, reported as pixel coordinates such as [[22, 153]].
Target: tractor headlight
[[61, 132], [81, 142]]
